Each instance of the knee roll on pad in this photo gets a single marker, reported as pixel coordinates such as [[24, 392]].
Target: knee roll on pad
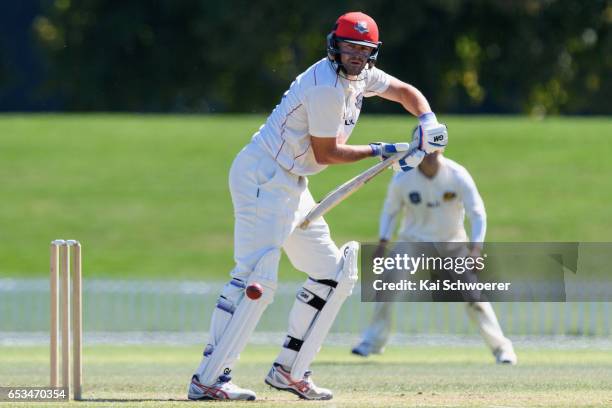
[[265, 269], [232, 293], [321, 299], [348, 274]]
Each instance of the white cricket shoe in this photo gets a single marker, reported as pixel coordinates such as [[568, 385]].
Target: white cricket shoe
[[223, 389], [364, 349], [505, 355], [304, 388]]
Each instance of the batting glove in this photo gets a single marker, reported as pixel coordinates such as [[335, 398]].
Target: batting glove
[[410, 161], [384, 150], [433, 136]]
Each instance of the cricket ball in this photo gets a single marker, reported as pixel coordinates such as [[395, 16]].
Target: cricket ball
[[254, 291]]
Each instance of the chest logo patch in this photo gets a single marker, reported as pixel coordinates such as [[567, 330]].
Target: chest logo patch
[[449, 195], [415, 197]]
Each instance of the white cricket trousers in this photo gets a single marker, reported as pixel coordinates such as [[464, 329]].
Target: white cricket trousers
[[269, 203]]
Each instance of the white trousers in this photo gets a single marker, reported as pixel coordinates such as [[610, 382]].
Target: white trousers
[[377, 334], [269, 203]]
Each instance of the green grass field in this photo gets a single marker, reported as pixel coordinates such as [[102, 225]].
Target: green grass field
[[148, 196], [421, 376]]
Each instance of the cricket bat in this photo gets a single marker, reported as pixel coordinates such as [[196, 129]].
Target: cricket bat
[[340, 193]]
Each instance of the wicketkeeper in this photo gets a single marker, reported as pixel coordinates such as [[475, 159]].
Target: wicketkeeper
[[307, 131], [431, 203]]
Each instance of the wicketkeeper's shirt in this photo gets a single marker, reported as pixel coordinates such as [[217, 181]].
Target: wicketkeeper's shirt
[[319, 103], [433, 210]]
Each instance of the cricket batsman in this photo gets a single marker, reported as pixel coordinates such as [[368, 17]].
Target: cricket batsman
[[306, 132], [431, 203]]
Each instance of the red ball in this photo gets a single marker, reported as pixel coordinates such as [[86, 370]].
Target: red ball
[[254, 291]]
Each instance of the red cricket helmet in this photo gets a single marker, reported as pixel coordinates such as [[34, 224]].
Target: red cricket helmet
[[357, 28]]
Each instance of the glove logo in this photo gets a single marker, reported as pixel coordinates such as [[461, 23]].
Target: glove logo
[[415, 197], [361, 27], [438, 138]]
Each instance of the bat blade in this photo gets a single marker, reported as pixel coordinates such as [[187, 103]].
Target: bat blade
[[340, 193]]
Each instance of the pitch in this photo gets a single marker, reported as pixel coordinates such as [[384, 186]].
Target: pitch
[[420, 376]]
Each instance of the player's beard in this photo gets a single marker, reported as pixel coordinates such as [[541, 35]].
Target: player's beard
[[354, 69]]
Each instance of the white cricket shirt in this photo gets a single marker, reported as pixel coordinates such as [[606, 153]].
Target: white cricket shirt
[[433, 210], [320, 103]]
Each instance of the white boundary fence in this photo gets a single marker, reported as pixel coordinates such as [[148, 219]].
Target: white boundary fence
[[120, 306]]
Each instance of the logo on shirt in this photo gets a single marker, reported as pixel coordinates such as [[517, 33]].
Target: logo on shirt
[[361, 27], [449, 195], [415, 197]]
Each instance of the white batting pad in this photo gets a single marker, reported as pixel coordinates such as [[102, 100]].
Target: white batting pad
[[243, 321], [346, 278]]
